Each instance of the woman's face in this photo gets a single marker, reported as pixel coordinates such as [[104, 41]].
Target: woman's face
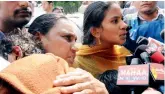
[[60, 40], [113, 29]]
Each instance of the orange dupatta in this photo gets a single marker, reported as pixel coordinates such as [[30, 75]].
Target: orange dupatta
[[98, 59]]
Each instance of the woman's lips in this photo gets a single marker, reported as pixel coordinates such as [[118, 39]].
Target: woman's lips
[[123, 35]]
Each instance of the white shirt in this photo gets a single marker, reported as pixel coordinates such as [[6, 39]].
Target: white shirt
[[3, 63]]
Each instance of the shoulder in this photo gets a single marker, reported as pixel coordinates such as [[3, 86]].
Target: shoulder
[[131, 16], [151, 25]]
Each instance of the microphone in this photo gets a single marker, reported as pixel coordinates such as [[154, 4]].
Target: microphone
[[156, 60], [157, 72], [109, 78], [157, 57], [139, 50], [130, 44], [156, 66], [136, 77], [155, 45], [129, 59], [128, 28], [163, 52], [145, 57], [162, 34], [142, 40], [135, 61], [132, 75]]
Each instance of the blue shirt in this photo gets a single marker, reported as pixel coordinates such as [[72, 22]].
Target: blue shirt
[[2, 35], [135, 20], [151, 29]]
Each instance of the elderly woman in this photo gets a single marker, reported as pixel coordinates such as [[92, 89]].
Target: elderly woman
[[54, 35]]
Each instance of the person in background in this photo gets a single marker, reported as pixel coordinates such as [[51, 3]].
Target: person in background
[[151, 29], [131, 9], [47, 6], [58, 10], [127, 4], [83, 6], [12, 21], [16, 15], [104, 32], [147, 11]]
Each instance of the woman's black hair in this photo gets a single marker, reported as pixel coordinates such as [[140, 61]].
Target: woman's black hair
[[50, 2], [93, 17], [44, 23]]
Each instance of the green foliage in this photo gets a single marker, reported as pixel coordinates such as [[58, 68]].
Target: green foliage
[[68, 6]]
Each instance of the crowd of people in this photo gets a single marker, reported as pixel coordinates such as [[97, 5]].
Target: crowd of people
[[46, 57]]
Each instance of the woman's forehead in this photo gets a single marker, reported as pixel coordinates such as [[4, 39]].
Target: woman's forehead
[[114, 10], [65, 26]]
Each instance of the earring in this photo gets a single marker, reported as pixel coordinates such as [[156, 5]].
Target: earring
[[99, 42]]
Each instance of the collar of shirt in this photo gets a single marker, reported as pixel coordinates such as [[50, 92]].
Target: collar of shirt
[[157, 17]]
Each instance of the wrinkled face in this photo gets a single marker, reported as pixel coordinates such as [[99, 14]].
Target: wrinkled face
[[147, 6], [16, 12], [113, 29], [60, 40]]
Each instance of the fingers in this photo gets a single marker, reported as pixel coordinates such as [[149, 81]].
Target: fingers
[[87, 91], [77, 87], [80, 82], [92, 87], [78, 76], [63, 76], [70, 80]]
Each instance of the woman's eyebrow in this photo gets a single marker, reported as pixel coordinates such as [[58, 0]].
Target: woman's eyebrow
[[116, 17], [69, 33], [73, 35]]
